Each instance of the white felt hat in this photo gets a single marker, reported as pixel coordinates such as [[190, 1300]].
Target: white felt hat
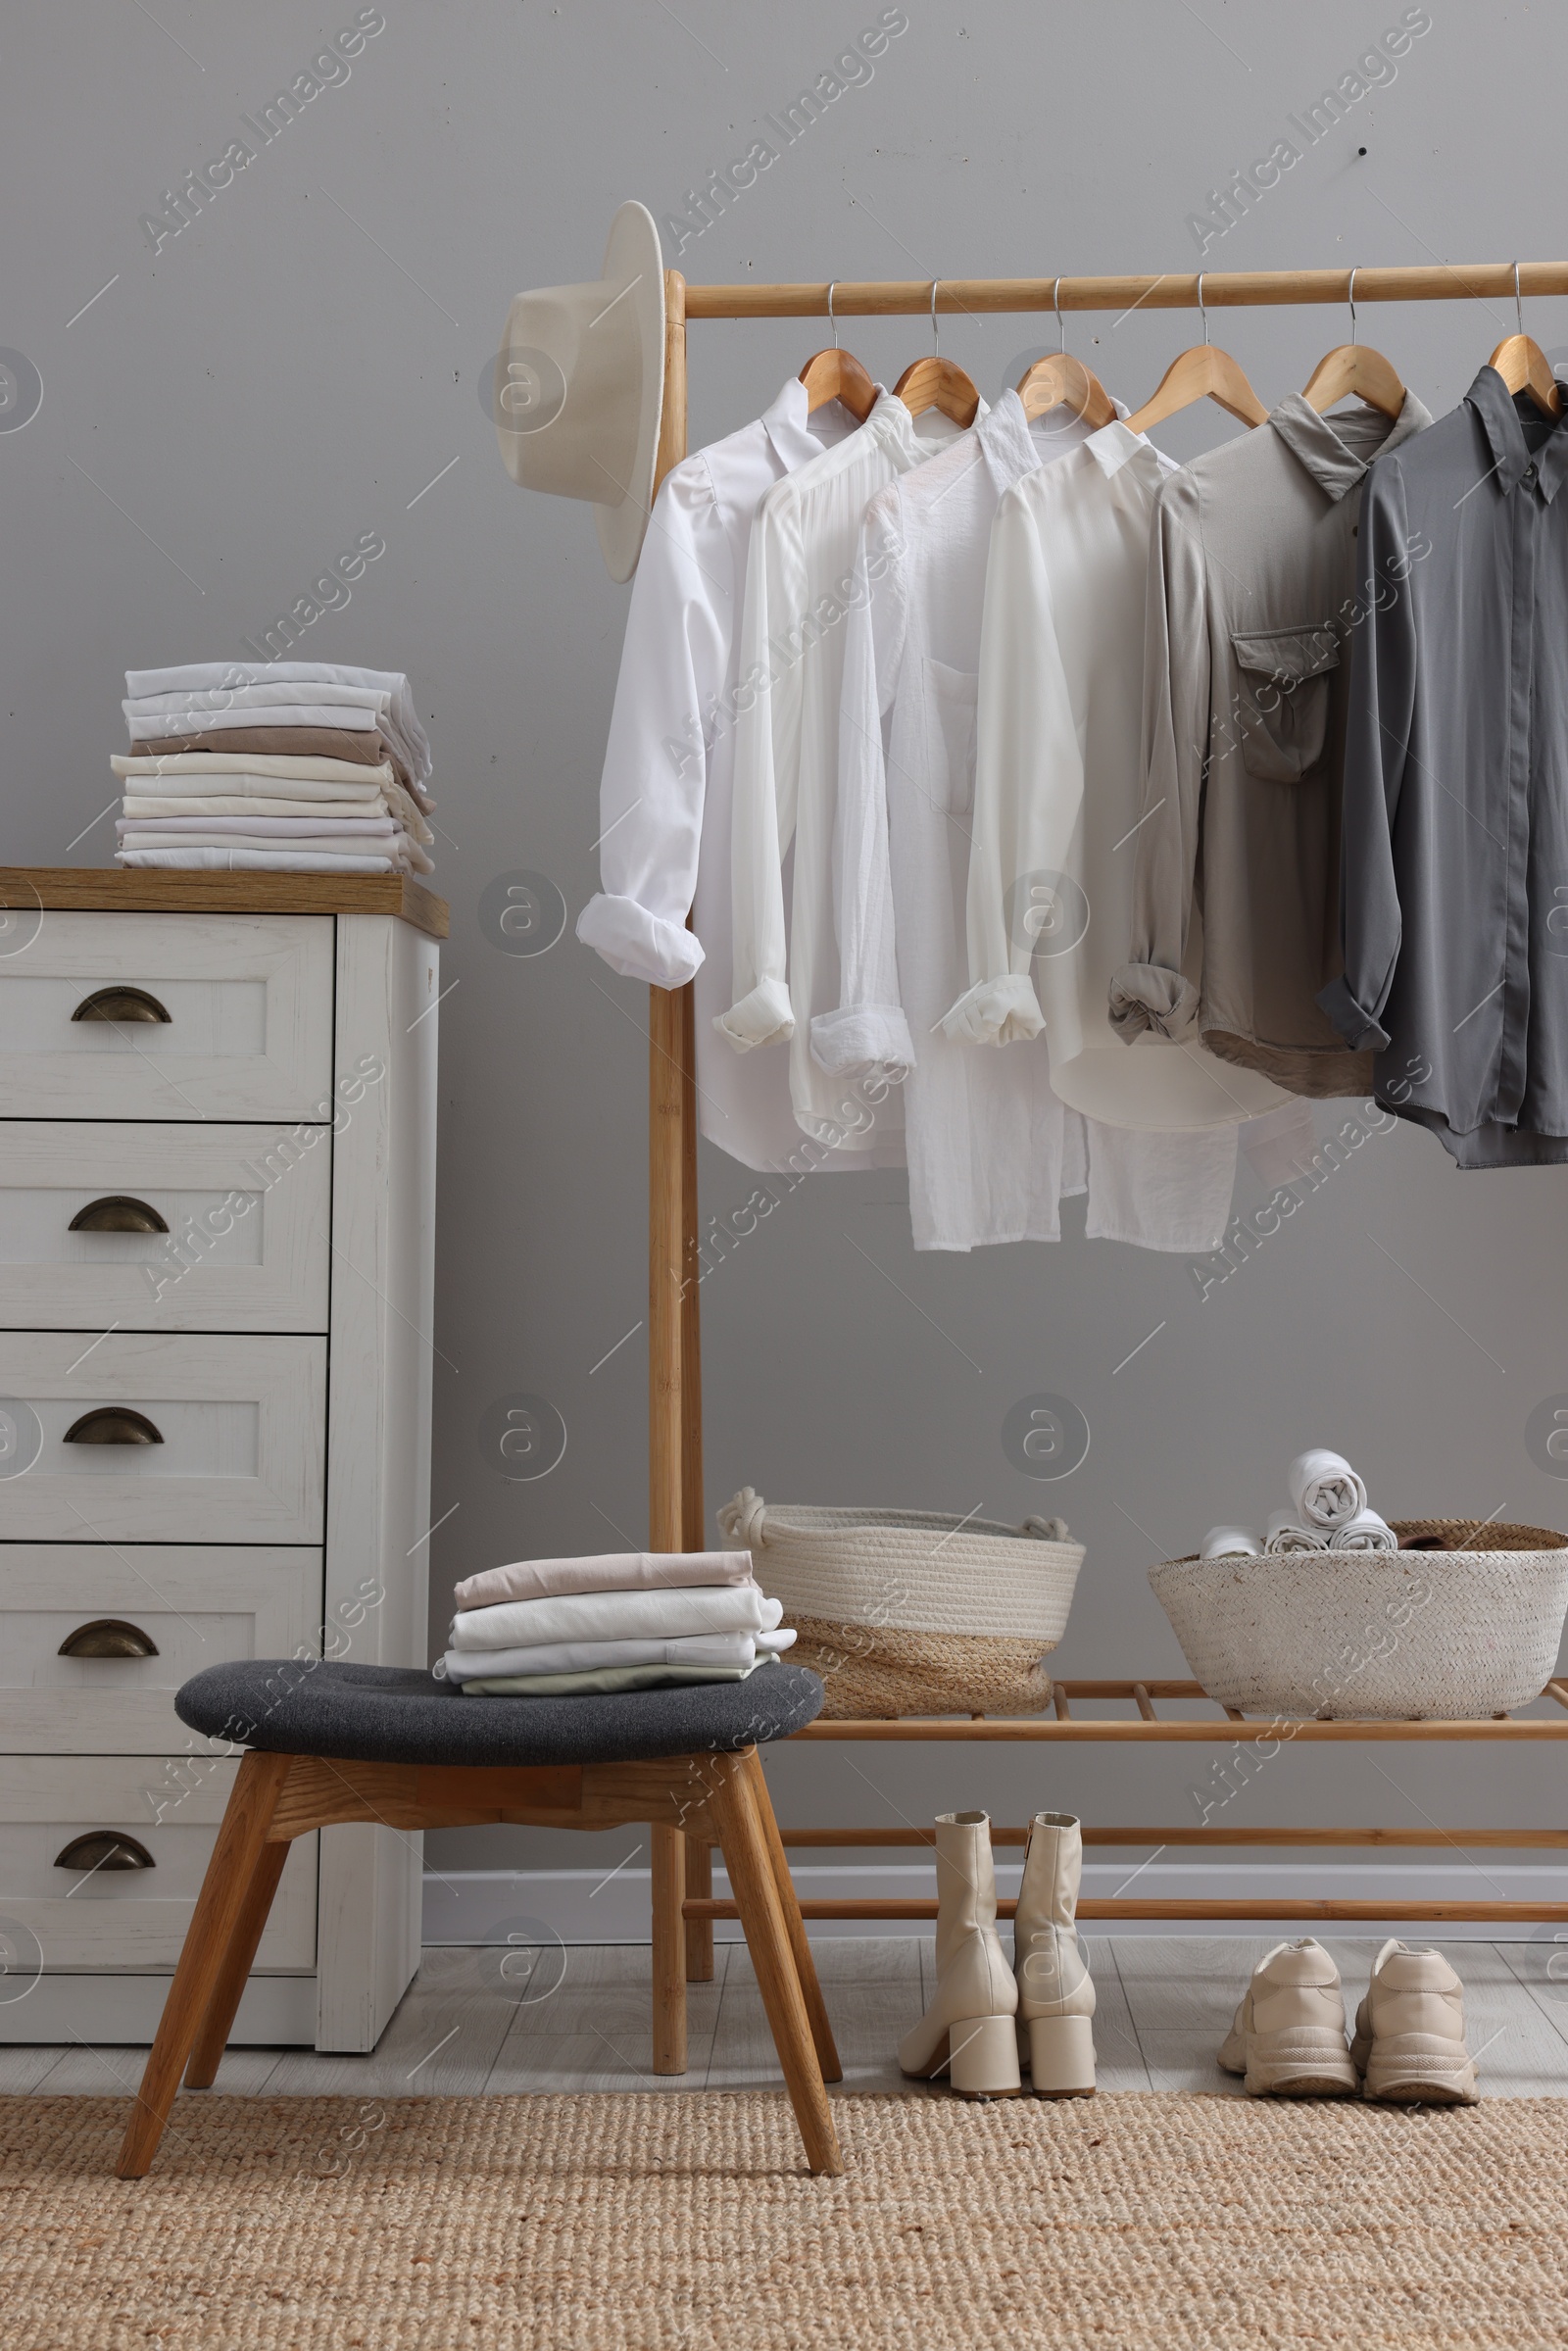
[[580, 386]]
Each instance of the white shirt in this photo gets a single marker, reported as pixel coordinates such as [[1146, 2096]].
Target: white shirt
[[800, 588], [991, 1148], [1058, 788], [669, 763]]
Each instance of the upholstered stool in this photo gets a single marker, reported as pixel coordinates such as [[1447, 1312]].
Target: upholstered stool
[[332, 1743]]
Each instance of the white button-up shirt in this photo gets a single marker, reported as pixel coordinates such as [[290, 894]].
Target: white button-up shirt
[[1058, 790], [665, 797], [990, 1148], [800, 590]]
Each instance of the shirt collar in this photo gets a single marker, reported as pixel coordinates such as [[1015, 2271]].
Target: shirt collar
[[1493, 402], [1333, 462], [784, 423], [1113, 447]]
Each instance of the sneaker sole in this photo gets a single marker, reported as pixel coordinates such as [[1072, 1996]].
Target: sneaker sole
[[1314, 2068]]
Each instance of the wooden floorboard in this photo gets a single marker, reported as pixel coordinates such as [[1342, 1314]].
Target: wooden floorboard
[[476, 2021]]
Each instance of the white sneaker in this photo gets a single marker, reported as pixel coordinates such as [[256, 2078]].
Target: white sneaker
[[1409, 2032], [1289, 2034]]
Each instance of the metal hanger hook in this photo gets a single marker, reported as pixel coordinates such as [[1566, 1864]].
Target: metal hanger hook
[[1349, 297], [936, 338], [1518, 306], [832, 321], [1203, 313], [1055, 304]]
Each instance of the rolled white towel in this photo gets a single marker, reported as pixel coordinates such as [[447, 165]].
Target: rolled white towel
[[1286, 1532], [1324, 1489], [1230, 1542], [1366, 1532]]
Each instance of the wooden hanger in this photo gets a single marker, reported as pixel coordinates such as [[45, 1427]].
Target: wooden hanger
[[1198, 373], [1354, 367], [835, 375], [1524, 367], [1060, 380], [936, 383]]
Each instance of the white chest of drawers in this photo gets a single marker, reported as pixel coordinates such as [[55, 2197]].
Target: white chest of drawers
[[217, 1246]]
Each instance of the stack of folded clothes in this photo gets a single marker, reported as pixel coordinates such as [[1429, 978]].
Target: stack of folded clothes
[[627, 1619], [1327, 1511], [297, 767]]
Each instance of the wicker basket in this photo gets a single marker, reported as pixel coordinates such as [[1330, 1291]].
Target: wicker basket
[[910, 1612], [1461, 1623]]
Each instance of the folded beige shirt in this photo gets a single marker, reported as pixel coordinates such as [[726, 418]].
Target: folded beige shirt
[[605, 1571]]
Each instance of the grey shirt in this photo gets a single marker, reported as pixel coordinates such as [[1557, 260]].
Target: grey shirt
[[1251, 600], [1455, 884]]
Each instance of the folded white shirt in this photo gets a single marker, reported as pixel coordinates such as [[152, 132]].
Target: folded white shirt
[[617, 1616], [1366, 1532], [1230, 1542], [583, 1656], [243, 804], [155, 725], [1286, 1532], [605, 1570], [283, 828], [252, 860], [264, 796], [1324, 1489], [196, 678]]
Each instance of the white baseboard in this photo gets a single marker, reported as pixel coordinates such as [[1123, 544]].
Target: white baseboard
[[587, 1906], [109, 2011]]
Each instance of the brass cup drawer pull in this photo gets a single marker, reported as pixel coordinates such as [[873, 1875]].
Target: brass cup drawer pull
[[118, 1212], [113, 1424], [120, 1004], [107, 1637], [105, 1849]]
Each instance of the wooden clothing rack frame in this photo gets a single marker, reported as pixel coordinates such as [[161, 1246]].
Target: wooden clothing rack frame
[[683, 1903]]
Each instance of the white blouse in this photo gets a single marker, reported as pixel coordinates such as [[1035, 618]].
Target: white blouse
[[799, 589], [991, 1151], [665, 797]]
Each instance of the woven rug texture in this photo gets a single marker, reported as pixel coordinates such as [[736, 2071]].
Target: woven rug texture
[[635, 2223]]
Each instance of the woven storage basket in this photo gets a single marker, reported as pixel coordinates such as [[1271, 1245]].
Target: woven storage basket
[[1444, 1633], [910, 1612]]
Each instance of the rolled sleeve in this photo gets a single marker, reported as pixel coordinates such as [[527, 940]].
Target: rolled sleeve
[[1005, 1012], [1146, 996], [655, 776], [1361, 1031]]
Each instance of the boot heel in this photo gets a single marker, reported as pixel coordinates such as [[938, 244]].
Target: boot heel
[[1062, 2056], [984, 2060]]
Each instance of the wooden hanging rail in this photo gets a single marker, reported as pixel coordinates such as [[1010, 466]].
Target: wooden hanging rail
[[1223, 289], [683, 1910]]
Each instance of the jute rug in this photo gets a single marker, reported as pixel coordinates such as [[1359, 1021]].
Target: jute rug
[[620, 2222]]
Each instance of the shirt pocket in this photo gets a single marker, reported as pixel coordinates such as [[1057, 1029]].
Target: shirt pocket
[[1284, 701], [952, 697]]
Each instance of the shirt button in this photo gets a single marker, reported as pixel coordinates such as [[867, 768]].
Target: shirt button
[[1530, 474]]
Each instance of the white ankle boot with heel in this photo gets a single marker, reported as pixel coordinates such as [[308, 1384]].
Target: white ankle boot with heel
[[1055, 1991], [989, 2019]]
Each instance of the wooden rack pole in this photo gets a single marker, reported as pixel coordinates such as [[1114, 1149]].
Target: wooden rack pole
[[673, 1390], [1235, 289]]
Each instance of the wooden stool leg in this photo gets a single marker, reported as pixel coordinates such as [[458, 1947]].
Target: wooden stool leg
[[699, 1932], [735, 1813], [789, 1902], [669, 1950], [207, 2052], [229, 1874]]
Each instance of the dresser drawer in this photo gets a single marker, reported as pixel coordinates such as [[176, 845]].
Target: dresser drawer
[[192, 1604], [137, 1917], [248, 1032], [242, 1423], [229, 1226]]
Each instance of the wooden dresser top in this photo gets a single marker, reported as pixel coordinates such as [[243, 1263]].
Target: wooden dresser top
[[89, 889]]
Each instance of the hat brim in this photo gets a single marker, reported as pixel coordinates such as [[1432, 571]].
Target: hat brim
[[633, 260]]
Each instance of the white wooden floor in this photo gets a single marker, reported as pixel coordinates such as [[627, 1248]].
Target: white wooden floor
[[1164, 2006]]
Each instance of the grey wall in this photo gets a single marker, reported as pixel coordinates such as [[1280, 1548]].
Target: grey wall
[[293, 368]]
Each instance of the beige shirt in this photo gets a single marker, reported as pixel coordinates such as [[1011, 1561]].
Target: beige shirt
[[1245, 687]]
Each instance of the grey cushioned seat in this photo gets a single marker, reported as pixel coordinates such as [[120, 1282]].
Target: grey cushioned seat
[[395, 1714]]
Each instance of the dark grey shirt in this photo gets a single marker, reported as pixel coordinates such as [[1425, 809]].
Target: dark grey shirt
[[1454, 872]]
